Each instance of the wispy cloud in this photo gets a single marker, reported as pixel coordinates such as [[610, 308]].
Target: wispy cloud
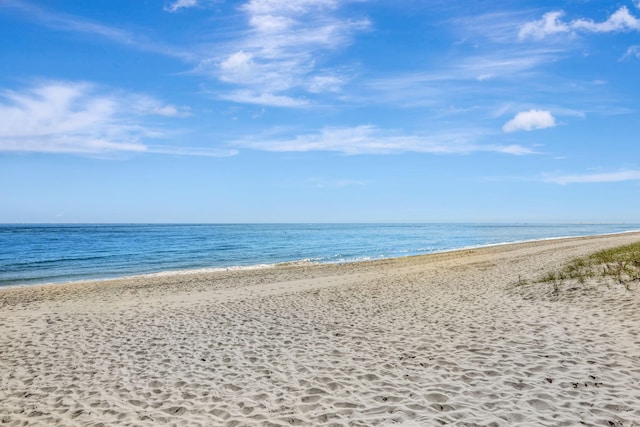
[[146, 105], [264, 99], [530, 120], [632, 52], [497, 27], [368, 139], [551, 23], [180, 4], [71, 117], [626, 175], [71, 23], [278, 53], [508, 63], [464, 79]]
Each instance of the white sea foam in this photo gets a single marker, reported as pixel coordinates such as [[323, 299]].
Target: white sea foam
[[230, 268], [342, 260]]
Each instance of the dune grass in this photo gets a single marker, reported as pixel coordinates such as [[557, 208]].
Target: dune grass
[[621, 264]]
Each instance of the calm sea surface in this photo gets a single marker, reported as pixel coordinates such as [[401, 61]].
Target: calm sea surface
[[31, 254]]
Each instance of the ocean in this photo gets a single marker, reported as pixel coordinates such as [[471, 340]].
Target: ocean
[[34, 254]]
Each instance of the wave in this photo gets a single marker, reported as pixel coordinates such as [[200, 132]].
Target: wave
[[154, 255]]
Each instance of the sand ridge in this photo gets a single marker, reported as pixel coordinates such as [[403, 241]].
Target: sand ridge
[[417, 341]]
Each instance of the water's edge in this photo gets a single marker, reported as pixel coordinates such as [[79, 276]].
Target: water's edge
[[300, 262]]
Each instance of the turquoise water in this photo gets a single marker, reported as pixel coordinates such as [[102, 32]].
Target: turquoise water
[[31, 254]]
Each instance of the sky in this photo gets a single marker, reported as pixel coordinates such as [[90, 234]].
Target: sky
[[214, 111]]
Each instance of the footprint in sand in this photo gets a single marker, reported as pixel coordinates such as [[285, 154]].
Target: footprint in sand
[[539, 405], [175, 410], [436, 397]]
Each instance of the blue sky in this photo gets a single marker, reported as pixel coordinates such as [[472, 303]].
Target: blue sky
[[319, 111]]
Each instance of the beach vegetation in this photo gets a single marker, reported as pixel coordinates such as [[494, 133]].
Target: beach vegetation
[[621, 264]]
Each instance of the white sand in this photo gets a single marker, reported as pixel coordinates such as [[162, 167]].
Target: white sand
[[417, 341]]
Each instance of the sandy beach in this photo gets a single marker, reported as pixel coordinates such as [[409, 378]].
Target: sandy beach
[[419, 341]]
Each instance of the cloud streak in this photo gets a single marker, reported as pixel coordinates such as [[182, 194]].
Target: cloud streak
[[628, 175], [367, 139], [71, 117], [551, 23], [632, 52], [71, 23]]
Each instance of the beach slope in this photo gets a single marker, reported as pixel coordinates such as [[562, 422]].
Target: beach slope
[[447, 338]]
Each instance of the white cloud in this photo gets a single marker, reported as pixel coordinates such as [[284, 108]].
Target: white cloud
[[632, 51], [629, 175], [237, 68], [67, 117], [530, 120], [320, 84], [265, 7], [516, 150], [265, 99], [278, 52], [620, 20], [367, 139], [63, 117], [270, 23], [180, 4], [551, 23], [141, 104]]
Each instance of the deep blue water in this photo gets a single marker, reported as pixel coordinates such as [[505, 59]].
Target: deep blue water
[[31, 254]]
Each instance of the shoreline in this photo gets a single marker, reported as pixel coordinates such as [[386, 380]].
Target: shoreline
[[301, 262], [421, 340]]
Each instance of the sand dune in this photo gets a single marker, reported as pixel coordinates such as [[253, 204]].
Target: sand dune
[[419, 341]]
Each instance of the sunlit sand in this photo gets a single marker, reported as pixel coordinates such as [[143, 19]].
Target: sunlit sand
[[447, 338]]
